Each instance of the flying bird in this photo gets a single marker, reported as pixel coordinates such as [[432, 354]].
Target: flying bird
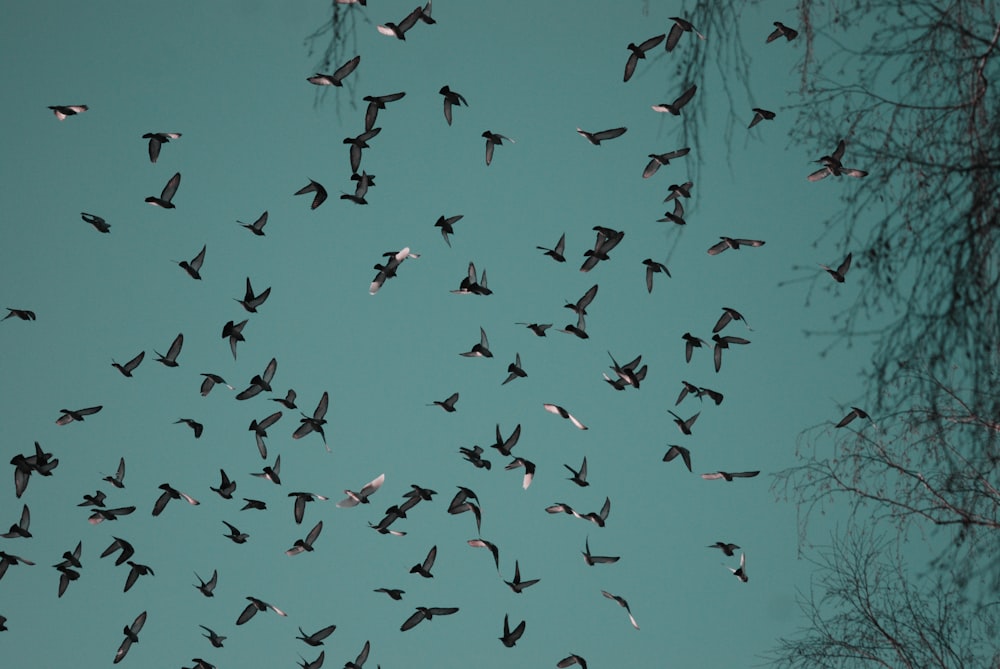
[[729, 476], [69, 415], [658, 160], [270, 473], [483, 543], [315, 422], [307, 543], [781, 30], [235, 535], [607, 239], [357, 144], [170, 359], [760, 115], [19, 530], [257, 227], [728, 549], [361, 659], [197, 427], [212, 637], [210, 381], [579, 477], [377, 102], [741, 573], [514, 370], [680, 27], [129, 366], [637, 52], [855, 412], [570, 660], [622, 603], [596, 138], [394, 593], [493, 139], [301, 499], [314, 187], [729, 315], [446, 226], [732, 243], [538, 328], [254, 606], [840, 273], [475, 456], [207, 587], [451, 98], [399, 30], [167, 194], [685, 425], [99, 223], [63, 111], [426, 613], [678, 191], [337, 77], [388, 270], [580, 306], [250, 301], [480, 350], [675, 451], [260, 431], [131, 636], [678, 104], [156, 140], [529, 470], [260, 382], [591, 560], [556, 253], [510, 636], [100, 515], [559, 411], [23, 314], [169, 493], [653, 267], [234, 333], [136, 570], [447, 404], [832, 165], [361, 497], [517, 585], [724, 343], [424, 568], [316, 638]]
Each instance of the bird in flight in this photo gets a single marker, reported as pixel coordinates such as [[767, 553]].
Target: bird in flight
[[832, 165], [760, 115], [170, 359], [596, 138], [156, 140], [99, 223], [167, 194], [314, 187], [678, 104], [338, 75], [639, 51], [732, 243], [781, 30], [680, 27], [451, 98], [493, 139], [64, 111], [624, 604], [131, 636], [840, 273]]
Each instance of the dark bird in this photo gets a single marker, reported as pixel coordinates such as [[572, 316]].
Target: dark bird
[[250, 301], [377, 102], [680, 27], [129, 366], [301, 499], [127, 551], [20, 529], [316, 638], [394, 593], [483, 543], [288, 401], [653, 267], [596, 138], [169, 493], [657, 160], [855, 412], [760, 115], [538, 328], [399, 30], [447, 404], [570, 660], [314, 187], [361, 659], [131, 636], [212, 637], [493, 139], [307, 543], [678, 104], [193, 424], [135, 572], [579, 477], [337, 77], [170, 359], [254, 606], [714, 395], [510, 636], [678, 191], [66, 574], [741, 573], [781, 30], [480, 350], [260, 431], [260, 382], [732, 243], [234, 333], [210, 381], [471, 285], [559, 411], [23, 314], [729, 315], [728, 549], [580, 306], [168, 193], [832, 165], [357, 144], [597, 517], [446, 226], [62, 111], [388, 270], [6, 560], [314, 423], [505, 446], [591, 560], [361, 497], [514, 370], [579, 329], [451, 98], [675, 216], [637, 52], [257, 227], [622, 603], [729, 476], [676, 450], [426, 613], [100, 515], [607, 239], [235, 535], [687, 389], [556, 253], [684, 425], [840, 273], [424, 568], [69, 415], [724, 343], [156, 140], [72, 559], [270, 473], [364, 182], [99, 223], [517, 585], [207, 587], [475, 456], [627, 373], [254, 504]]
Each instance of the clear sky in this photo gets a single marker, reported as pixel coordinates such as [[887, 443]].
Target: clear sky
[[231, 78]]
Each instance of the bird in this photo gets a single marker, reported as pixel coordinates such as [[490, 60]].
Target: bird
[[597, 517], [514, 370], [729, 315], [100, 515], [451, 98], [760, 115], [66, 574], [741, 573], [169, 493], [596, 138], [335, 79], [446, 226], [627, 373], [72, 559], [580, 306], [361, 497], [250, 301], [658, 160], [19, 530], [559, 411], [510, 636], [301, 499], [483, 543], [607, 239], [99, 223], [475, 456], [127, 551], [388, 270], [724, 343], [226, 486], [684, 424], [529, 470], [314, 187], [394, 593], [622, 603], [579, 476], [653, 267], [637, 52], [270, 473], [234, 333], [570, 660], [315, 422], [68, 415], [212, 637], [377, 102], [676, 450], [678, 104], [680, 27], [255, 504], [7, 559], [557, 252], [64, 111], [471, 285], [480, 350], [579, 329], [840, 273], [728, 549], [254, 606], [23, 314], [732, 243], [398, 31], [131, 636], [207, 587], [316, 638], [260, 431], [235, 535], [307, 543], [135, 572], [493, 139], [426, 613], [448, 404], [167, 195], [129, 366], [687, 389], [424, 568], [210, 381], [729, 476], [538, 328], [781, 30], [357, 144], [156, 140], [591, 560], [288, 401], [365, 181], [170, 359], [193, 424], [678, 191], [257, 227], [361, 659], [855, 412], [832, 165], [675, 216], [517, 585]]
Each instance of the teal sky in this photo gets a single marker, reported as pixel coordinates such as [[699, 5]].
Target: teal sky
[[231, 77]]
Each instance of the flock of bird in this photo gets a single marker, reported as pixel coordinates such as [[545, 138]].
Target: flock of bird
[[38, 462]]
